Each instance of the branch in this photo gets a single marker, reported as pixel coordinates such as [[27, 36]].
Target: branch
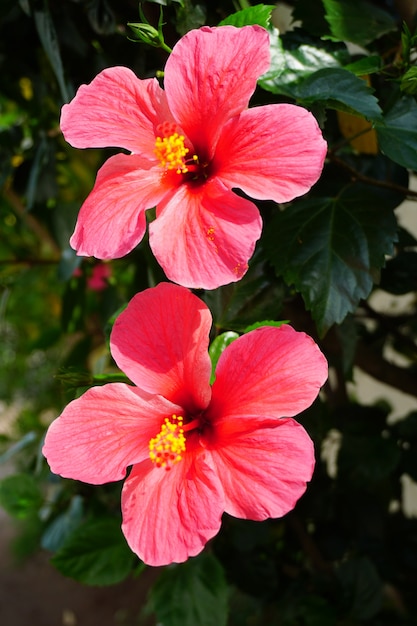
[[392, 324], [376, 366], [409, 193]]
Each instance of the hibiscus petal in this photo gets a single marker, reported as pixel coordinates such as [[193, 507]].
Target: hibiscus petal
[[215, 235], [103, 431], [210, 76], [274, 152], [116, 109], [265, 472], [170, 516], [160, 341], [112, 220], [268, 373]]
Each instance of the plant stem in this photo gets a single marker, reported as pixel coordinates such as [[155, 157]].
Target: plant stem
[[410, 193]]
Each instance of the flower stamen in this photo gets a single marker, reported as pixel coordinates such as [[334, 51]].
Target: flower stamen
[[171, 152], [167, 447]]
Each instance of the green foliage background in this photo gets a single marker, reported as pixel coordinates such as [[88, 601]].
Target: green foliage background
[[347, 555]]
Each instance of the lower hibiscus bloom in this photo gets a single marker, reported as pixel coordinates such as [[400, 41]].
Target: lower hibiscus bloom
[[195, 450]]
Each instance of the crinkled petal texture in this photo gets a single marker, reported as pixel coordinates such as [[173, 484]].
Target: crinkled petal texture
[[210, 76], [274, 152], [161, 340], [268, 373], [170, 516], [103, 432], [112, 220], [116, 109], [264, 472], [215, 235]]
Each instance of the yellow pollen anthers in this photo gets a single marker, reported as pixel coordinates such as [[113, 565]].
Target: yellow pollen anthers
[[171, 152], [167, 447]]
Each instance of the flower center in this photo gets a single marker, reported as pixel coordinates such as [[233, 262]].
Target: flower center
[[171, 152], [171, 149], [167, 447]]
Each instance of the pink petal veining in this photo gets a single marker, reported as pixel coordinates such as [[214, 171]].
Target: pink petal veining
[[216, 234], [142, 345], [112, 220], [104, 431]]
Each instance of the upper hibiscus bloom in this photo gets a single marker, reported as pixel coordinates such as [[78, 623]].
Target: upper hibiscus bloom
[[189, 145], [230, 447]]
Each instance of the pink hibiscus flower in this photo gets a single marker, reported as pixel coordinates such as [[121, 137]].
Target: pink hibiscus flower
[[190, 144], [231, 447]]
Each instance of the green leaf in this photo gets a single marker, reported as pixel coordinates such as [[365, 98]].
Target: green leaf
[[291, 66], [40, 161], [49, 39], [68, 263], [254, 297], [17, 447], [338, 88], [96, 553], [397, 134], [409, 81], [191, 594], [62, 526], [259, 14], [331, 249], [347, 334], [264, 323], [366, 65], [357, 21], [10, 114], [20, 495], [216, 348]]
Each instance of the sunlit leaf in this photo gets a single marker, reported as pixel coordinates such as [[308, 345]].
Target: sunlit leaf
[[256, 325], [259, 14], [338, 88], [409, 81], [364, 66], [290, 66], [217, 346]]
